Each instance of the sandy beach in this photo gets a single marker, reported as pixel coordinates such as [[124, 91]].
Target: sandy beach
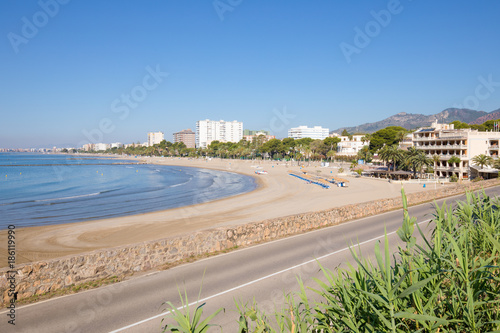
[[277, 195]]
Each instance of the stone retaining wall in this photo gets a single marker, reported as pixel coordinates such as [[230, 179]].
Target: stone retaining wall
[[49, 275]]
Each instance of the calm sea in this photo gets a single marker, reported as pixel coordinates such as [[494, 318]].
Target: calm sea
[[42, 189]]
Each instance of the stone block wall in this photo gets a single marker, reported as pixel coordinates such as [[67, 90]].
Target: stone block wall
[[49, 275]]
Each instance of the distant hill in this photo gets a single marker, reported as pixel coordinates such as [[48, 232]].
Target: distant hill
[[415, 120], [493, 115]]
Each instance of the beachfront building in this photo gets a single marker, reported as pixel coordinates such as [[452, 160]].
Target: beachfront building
[[315, 133], [223, 131], [351, 145], [460, 145], [155, 138], [187, 136]]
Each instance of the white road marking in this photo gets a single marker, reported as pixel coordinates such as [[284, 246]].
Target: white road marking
[[253, 282]]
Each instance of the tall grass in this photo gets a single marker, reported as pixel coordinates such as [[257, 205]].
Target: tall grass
[[447, 283]]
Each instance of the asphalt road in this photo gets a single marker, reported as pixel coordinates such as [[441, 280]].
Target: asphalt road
[[263, 273]]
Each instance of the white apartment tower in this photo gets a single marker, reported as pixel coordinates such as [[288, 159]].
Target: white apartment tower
[[223, 131], [155, 138], [315, 133]]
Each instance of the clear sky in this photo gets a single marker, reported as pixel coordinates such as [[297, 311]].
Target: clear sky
[[76, 70]]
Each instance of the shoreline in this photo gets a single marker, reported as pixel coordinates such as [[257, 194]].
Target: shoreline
[[277, 195]]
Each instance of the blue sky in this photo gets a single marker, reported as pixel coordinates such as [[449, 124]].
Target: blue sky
[[66, 70]]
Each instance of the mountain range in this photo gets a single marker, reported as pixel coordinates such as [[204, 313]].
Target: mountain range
[[415, 120]]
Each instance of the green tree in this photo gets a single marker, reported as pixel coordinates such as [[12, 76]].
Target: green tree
[[400, 135], [391, 154], [496, 163], [345, 133], [489, 125], [317, 147], [386, 136], [365, 154], [366, 138], [482, 160], [457, 124], [454, 160], [273, 147], [331, 143], [307, 154], [331, 155], [417, 159], [305, 142]]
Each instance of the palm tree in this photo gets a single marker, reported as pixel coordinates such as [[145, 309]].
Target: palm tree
[[298, 157], [435, 159], [353, 166], [420, 160], [366, 138], [401, 135], [454, 160], [331, 155], [411, 159], [383, 155], [307, 154], [482, 160], [365, 154], [391, 154], [496, 163]]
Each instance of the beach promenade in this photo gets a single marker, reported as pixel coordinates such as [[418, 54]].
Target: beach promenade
[[277, 195]]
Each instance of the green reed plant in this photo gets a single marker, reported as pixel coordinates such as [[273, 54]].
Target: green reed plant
[[187, 321]]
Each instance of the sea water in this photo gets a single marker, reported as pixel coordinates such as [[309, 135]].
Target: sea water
[[43, 189]]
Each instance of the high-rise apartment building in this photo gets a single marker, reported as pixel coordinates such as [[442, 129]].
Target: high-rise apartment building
[[187, 136], [315, 133], [155, 138], [224, 131]]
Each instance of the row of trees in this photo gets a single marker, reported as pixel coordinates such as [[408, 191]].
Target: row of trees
[[288, 148]]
